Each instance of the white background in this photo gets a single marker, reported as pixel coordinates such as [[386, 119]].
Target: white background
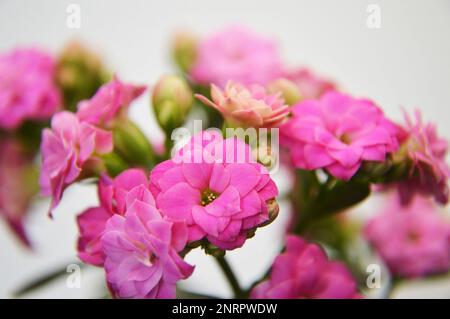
[[404, 63]]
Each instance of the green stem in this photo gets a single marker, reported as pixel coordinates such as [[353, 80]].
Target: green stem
[[231, 277]]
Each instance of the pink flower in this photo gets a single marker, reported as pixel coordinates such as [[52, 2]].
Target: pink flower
[[215, 187], [311, 86], [303, 271], [426, 151], [247, 107], [67, 148], [236, 54], [337, 133], [141, 250], [27, 88], [17, 185], [108, 103], [413, 240], [114, 195]]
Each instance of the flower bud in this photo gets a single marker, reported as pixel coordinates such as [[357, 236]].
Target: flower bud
[[172, 99], [274, 209], [184, 50], [289, 91]]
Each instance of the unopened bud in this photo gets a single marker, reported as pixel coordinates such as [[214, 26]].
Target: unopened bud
[[185, 50], [288, 89]]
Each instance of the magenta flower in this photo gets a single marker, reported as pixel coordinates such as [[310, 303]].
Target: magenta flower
[[337, 133], [236, 54], [27, 88], [215, 187], [142, 253], [304, 271], [108, 103], [114, 195], [413, 240], [68, 148], [426, 152], [247, 107], [311, 85]]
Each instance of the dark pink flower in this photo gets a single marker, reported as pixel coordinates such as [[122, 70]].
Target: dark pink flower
[[304, 271], [27, 88]]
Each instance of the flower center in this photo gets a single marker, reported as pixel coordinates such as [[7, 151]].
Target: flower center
[[208, 196], [413, 236], [345, 139]]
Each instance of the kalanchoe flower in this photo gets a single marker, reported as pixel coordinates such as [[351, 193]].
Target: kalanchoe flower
[[108, 103], [27, 88], [247, 106], [337, 133], [425, 152], [67, 149], [304, 271], [413, 240], [115, 195], [216, 188], [236, 54], [311, 86], [142, 253]]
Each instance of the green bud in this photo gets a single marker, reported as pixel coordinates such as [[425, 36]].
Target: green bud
[[289, 91], [184, 50]]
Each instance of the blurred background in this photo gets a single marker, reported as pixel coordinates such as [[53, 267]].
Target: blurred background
[[404, 63]]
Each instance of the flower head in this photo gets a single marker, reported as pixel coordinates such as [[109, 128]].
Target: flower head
[[304, 271], [215, 187], [337, 133], [311, 86], [247, 107], [413, 240], [236, 54], [66, 150], [142, 253], [27, 88]]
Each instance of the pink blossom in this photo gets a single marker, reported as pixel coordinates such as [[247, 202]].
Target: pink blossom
[[108, 103], [304, 271], [236, 54], [426, 151], [67, 148], [27, 88], [311, 85], [141, 250], [113, 194], [247, 107], [215, 187], [337, 133], [413, 240]]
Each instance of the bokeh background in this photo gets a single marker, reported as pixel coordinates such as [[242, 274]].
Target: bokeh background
[[405, 63]]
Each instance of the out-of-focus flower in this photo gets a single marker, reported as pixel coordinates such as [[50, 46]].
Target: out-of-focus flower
[[413, 240], [288, 89], [18, 185], [239, 55], [424, 152], [115, 195], [214, 186], [172, 99], [110, 101], [142, 253], [304, 271], [69, 148], [338, 133], [184, 50], [311, 86], [27, 88], [247, 106]]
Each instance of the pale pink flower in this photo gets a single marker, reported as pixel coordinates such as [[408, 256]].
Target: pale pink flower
[[248, 106], [236, 54], [142, 253], [413, 240], [311, 85], [114, 194], [108, 103], [426, 151], [216, 188], [337, 133], [67, 148], [27, 87], [304, 271]]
